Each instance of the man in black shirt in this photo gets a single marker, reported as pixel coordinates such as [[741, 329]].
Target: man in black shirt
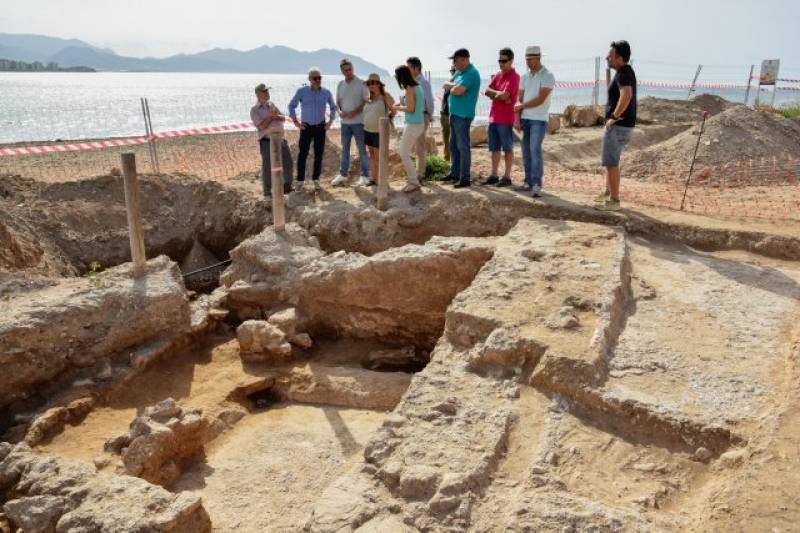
[[445, 119], [620, 121]]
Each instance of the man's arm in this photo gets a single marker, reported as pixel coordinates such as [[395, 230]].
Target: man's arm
[[625, 97], [293, 105], [428, 92], [332, 106], [544, 92], [470, 82]]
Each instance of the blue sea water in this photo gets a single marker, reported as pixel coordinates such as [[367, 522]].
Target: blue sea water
[[44, 107]]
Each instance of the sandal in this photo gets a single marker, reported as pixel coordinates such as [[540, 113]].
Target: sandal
[[411, 187]]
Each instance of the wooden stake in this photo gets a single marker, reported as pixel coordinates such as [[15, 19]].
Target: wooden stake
[[276, 172], [134, 209], [383, 164]]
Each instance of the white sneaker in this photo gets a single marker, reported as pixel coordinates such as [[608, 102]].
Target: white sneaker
[[536, 191], [317, 186], [298, 186], [339, 181], [364, 181]]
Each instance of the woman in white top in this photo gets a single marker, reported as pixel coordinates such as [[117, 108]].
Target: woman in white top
[[379, 105]]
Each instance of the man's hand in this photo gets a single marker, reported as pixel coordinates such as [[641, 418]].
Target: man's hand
[[299, 124], [610, 123], [328, 125], [518, 108], [502, 96], [517, 124]]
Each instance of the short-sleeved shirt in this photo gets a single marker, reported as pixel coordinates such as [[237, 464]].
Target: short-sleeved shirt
[[625, 77], [350, 95], [502, 112], [464, 105], [531, 84], [260, 112]]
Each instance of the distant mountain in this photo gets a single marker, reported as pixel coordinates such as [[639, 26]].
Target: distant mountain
[[72, 56], [28, 47], [264, 59]]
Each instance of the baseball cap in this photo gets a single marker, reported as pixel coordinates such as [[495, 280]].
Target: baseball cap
[[461, 52], [261, 88], [533, 51]]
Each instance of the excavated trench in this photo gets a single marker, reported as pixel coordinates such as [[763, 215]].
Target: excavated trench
[[436, 367]]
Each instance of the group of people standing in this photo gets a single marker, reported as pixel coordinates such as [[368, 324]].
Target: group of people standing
[[518, 103]]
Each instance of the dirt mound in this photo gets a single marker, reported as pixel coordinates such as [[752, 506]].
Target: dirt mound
[[737, 134], [60, 228], [652, 110]]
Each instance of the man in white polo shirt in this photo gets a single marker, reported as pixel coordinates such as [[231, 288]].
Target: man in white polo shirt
[[533, 113], [351, 95]]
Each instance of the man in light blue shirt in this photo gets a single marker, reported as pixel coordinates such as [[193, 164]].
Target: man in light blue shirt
[[415, 66], [464, 91], [313, 99]]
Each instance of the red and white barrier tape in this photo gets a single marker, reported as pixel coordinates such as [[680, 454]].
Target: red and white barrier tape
[[132, 141], [72, 147], [242, 126], [784, 80]]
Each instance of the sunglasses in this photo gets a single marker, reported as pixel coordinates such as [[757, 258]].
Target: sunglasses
[[503, 61], [316, 78]]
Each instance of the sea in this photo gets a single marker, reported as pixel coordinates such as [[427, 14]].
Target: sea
[[42, 107]]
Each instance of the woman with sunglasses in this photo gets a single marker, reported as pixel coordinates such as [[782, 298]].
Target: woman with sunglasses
[[379, 105], [413, 105]]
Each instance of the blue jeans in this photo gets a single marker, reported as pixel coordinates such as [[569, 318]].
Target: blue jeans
[[348, 132], [460, 154], [533, 132]]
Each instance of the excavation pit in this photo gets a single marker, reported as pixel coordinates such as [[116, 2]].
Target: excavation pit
[[401, 372]]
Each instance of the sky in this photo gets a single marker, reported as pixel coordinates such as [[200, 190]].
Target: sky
[[718, 33]]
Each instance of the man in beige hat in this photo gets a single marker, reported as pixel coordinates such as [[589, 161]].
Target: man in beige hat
[[533, 114], [268, 119]]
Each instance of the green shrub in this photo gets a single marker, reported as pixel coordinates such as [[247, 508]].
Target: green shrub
[[790, 112], [436, 168]]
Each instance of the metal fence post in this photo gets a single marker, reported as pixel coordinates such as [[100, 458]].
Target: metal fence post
[[596, 88], [156, 164], [749, 82], [134, 210], [694, 82]]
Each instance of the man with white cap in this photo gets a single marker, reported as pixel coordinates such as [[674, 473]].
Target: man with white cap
[[533, 114]]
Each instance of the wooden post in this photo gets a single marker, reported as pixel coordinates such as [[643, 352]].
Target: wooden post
[[383, 164], [276, 173], [134, 208]]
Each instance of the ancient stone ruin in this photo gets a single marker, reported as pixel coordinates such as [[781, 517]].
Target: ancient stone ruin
[[455, 363]]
